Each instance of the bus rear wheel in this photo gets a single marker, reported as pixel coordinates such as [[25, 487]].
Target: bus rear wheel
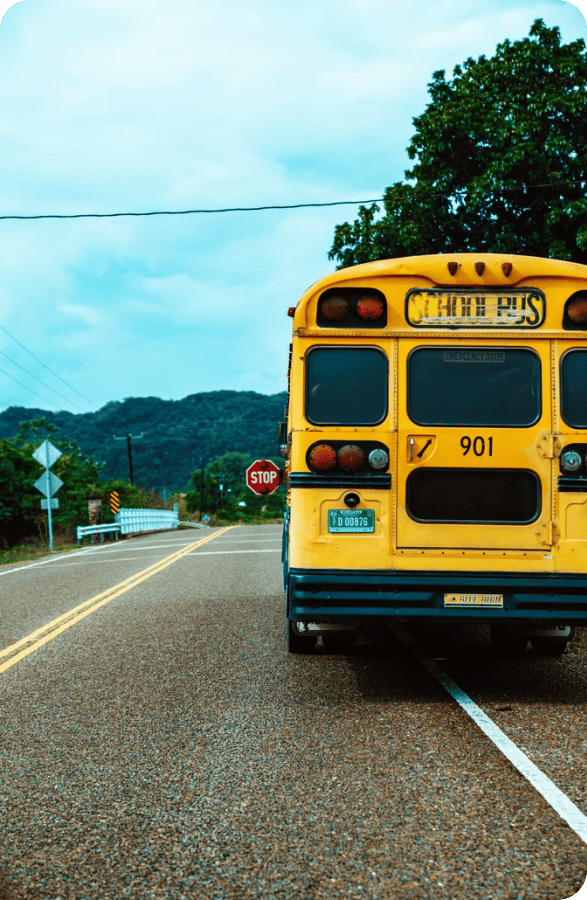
[[298, 643]]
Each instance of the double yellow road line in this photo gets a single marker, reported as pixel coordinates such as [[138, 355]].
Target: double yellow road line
[[27, 645]]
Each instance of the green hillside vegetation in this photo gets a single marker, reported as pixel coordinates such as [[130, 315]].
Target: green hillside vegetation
[[170, 438], [194, 452]]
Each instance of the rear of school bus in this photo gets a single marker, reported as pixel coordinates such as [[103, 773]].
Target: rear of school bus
[[437, 448]]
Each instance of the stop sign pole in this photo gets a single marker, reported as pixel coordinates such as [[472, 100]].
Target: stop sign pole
[[263, 477]]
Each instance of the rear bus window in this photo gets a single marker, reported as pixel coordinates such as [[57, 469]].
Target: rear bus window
[[474, 386], [574, 388], [346, 386], [490, 496]]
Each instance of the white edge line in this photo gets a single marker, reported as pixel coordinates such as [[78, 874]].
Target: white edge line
[[195, 553], [565, 807], [43, 562]]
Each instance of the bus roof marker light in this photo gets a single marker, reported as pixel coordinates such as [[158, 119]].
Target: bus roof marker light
[[506, 268], [479, 268], [291, 311], [453, 267], [334, 308]]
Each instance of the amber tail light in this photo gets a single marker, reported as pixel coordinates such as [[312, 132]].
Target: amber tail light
[[323, 458], [351, 458]]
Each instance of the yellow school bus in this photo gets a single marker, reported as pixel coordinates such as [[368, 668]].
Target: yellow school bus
[[436, 449]]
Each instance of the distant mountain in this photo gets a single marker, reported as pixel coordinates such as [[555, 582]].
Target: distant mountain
[[175, 435]]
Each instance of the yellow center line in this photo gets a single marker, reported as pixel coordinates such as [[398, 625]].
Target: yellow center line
[[46, 633]]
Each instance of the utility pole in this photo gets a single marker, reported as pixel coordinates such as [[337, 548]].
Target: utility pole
[[201, 486], [129, 449]]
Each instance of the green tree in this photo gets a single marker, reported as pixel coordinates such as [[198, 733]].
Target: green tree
[[129, 496], [500, 161], [20, 512], [229, 470]]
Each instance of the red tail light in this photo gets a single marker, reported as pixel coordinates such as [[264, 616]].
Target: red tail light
[[334, 308], [323, 458], [351, 458], [370, 306]]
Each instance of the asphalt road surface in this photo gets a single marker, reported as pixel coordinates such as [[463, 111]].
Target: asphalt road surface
[[158, 741]]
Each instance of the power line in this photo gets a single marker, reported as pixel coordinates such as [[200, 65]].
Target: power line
[[26, 387], [231, 209], [48, 386], [40, 361], [189, 212]]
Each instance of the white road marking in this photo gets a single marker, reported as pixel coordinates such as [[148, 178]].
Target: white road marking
[[42, 562], [222, 552], [553, 795], [254, 540], [142, 547], [137, 547], [65, 562]]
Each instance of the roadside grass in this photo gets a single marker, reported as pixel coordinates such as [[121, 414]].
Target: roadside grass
[[35, 549]]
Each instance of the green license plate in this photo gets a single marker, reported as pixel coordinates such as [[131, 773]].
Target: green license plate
[[351, 521]]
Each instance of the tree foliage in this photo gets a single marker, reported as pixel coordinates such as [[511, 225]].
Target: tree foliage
[[223, 489], [20, 501], [500, 161], [170, 437]]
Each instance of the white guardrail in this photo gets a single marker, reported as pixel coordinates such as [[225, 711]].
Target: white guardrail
[[82, 531], [131, 521]]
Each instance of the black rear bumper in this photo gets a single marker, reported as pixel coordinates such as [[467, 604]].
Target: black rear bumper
[[333, 595]]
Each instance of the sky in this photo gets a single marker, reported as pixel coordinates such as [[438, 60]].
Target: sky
[[146, 105]]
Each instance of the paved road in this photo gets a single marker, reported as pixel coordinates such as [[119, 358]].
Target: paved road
[[164, 745]]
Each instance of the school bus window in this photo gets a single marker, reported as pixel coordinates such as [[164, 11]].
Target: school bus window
[[485, 386], [573, 388], [500, 496], [346, 386]]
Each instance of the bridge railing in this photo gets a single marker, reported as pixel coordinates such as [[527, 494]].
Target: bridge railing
[[133, 520]]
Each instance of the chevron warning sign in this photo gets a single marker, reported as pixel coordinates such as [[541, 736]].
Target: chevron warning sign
[[114, 502]]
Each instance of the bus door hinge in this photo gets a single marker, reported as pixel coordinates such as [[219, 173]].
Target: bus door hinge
[[548, 533], [548, 446]]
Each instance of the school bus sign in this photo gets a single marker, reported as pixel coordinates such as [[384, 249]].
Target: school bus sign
[[263, 477]]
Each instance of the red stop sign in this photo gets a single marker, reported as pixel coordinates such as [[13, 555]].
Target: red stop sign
[[263, 477]]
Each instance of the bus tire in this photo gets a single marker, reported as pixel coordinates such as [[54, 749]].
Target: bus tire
[[298, 643]]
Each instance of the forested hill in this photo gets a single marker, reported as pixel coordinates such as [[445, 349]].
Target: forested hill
[[175, 434]]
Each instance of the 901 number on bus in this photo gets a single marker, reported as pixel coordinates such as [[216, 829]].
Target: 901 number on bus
[[478, 444]]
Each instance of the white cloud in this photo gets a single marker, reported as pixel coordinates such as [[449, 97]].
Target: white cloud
[[109, 106]]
